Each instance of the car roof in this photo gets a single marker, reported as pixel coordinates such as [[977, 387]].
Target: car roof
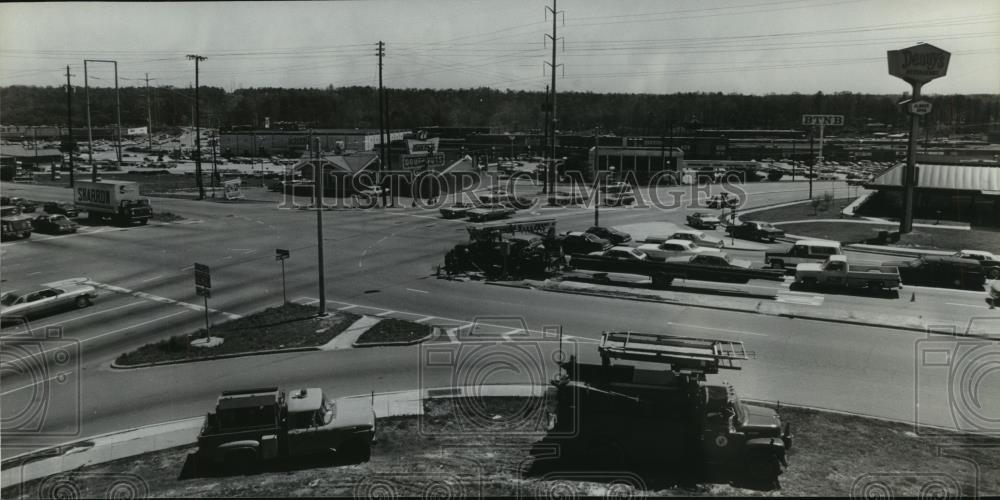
[[951, 260], [622, 247], [977, 252], [818, 243]]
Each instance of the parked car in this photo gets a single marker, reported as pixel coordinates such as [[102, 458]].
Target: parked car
[[59, 207], [940, 270], [722, 200], [715, 260], [14, 224], [673, 248], [615, 236], [576, 242], [989, 261], [456, 210], [490, 212], [621, 253], [27, 206], [45, 300], [698, 237], [54, 224], [702, 220], [755, 230]]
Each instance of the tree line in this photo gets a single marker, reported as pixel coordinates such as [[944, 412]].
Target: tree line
[[503, 110]]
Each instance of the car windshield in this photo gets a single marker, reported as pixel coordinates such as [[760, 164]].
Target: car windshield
[[9, 298]]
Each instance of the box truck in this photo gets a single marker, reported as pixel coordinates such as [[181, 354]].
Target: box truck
[[115, 200]]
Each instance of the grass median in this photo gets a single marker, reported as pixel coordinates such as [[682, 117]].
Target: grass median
[[284, 327], [393, 331]]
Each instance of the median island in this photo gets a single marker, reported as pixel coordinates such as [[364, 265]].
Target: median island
[[291, 326]]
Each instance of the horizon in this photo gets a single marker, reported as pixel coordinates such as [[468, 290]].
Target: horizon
[[744, 47]]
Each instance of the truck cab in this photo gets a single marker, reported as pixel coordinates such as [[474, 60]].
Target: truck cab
[[14, 224], [802, 251], [837, 272], [253, 425]]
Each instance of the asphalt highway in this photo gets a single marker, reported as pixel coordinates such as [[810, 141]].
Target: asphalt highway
[[382, 262]]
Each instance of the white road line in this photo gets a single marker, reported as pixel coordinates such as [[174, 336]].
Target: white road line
[[686, 325], [157, 298], [58, 375], [352, 306], [130, 304], [984, 306], [34, 273], [425, 318], [385, 313], [147, 280]]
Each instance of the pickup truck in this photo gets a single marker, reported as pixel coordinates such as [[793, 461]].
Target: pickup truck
[[837, 272], [253, 425], [703, 267], [755, 230], [801, 252], [702, 220]]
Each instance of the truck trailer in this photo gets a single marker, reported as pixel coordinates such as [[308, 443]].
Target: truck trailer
[[118, 201]]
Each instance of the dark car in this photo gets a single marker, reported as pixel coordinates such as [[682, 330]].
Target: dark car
[[54, 224], [26, 205], [940, 270], [59, 207], [577, 242], [615, 236], [754, 230]]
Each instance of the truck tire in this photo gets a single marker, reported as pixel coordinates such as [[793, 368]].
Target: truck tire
[[82, 301], [661, 280]]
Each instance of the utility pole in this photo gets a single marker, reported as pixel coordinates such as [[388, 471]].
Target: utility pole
[[69, 124], [812, 162], [149, 117], [215, 172], [553, 66], [90, 130], [597, 174], [545, 138], [197, 129], [118, 115], [318, 172], [383, 153]]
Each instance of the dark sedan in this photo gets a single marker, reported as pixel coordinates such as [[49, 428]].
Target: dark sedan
[[54, 224], [576, 242], [58, 207], [615, 236], [939, 270]]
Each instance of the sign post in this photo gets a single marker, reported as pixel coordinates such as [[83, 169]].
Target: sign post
[[915, 65], [281, 254], [203, 287], [822, 121]]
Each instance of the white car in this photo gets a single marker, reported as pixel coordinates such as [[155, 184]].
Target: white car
[[674, 248], [699, 238], [621, 253], [45, 300]]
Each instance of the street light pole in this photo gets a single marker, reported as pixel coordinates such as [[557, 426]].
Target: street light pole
[[597, 173], [318, 173]]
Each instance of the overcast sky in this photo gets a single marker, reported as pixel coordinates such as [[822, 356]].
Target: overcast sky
[[655, 46]]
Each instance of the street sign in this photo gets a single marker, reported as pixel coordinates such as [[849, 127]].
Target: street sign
[[827, 120], [232, 189], [281, 254], [203, 292], [918, 64], [202, 276], [920, 107]]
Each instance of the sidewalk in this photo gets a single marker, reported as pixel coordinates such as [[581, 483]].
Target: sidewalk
[[351, 334], [122, 444]]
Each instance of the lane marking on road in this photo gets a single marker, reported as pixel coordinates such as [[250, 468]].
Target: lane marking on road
[[425, 318], [688, 325], [984, 306], [415, 290], [54, 377], [34, 273], [144, 323], [42, 327], [147, 280], [352, 306], [157, 298], [385, 313]]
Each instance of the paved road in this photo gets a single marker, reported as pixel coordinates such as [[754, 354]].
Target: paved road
[[384, 259]]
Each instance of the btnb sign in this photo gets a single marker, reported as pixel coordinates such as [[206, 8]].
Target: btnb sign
[[918, 64], [825, 120]]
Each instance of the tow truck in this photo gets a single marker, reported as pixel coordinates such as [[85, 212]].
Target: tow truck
[[629, 409]]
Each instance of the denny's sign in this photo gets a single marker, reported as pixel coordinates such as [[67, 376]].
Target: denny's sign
[[918, 64]]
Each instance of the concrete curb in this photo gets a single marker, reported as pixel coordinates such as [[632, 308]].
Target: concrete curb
[[394, 343], [116, 366]]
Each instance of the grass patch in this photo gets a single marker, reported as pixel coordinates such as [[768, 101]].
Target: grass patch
[[284, 327], [922, 237], [801, 211], [394, 330], [484, 447]]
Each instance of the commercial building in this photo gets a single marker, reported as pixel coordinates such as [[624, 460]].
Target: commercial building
[[31, 157], [293, 143], [640, 164], [957, 192]]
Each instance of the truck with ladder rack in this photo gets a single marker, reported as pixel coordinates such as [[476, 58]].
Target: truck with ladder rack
[[649, 402]]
